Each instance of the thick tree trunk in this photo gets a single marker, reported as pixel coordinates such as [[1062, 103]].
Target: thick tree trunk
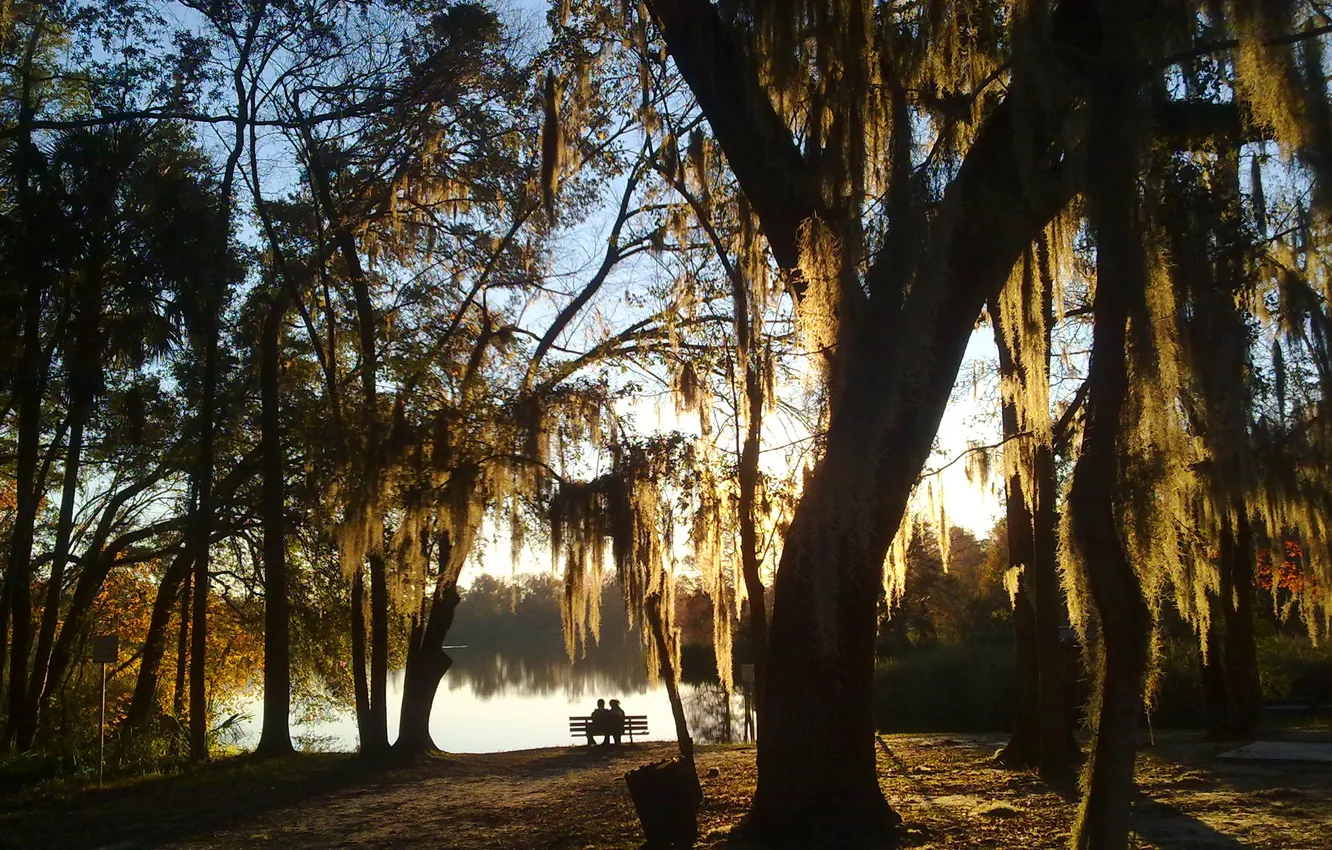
[[1058, 748], [894, 370], [1042, 732], [143, 704], [360, 686], [1124, 618], [427, 662], [1023, 748], [817, 768], [18, 576], [1229, 664], [1103, 820], [275, 738], [1218, 701], [818, 775], [202, 538], [1240, 655]]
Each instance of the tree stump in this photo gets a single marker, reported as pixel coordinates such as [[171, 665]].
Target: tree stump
[[667, 796]]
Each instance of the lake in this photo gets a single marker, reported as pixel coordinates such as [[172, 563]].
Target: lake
[[497, 700]]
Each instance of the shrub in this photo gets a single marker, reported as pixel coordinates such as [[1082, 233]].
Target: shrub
[[945, 688], [1292, 671]]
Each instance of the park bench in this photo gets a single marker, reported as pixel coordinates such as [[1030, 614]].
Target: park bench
[[634, 724]]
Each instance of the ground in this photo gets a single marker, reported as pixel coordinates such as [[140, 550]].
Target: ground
[[946, 787]]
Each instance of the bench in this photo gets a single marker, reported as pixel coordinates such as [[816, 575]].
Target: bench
[[634, 724]]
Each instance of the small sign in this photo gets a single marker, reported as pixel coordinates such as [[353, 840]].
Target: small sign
[[106, 649], [747, 675]]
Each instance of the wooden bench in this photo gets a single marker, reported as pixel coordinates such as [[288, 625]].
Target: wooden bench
[[634, 724]]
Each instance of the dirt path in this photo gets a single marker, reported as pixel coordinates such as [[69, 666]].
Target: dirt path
[[945, 787]]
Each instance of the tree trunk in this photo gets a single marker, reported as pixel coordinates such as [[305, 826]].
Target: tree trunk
[[182, 647], [378, 741], [374, 734], [216, 286], [4, 634], [143, 704], [1121, 277], [95, 570], [18, 577], [275, 739], [1218, 702], [84, 376], [894, 372], [749, 544], [666, 656], [27, 391], [427, 662], [1058, 747], [818, 775], [359, 684], [1042, 731], [202, 532], [1023, 748], [1240, 655], [55, 584], [817, 767]]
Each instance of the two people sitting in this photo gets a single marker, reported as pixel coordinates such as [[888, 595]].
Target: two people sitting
[[607, 722]]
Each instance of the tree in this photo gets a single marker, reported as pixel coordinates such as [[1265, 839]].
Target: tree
[[275, 738], [817, 759], [28, 213], [118, 188], [1023, 321]]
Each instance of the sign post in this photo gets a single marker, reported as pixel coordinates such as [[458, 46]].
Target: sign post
[[105, 650]]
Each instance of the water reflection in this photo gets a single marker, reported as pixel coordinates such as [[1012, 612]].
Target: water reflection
[[543, 670], [506, 700], [716, 716], [512, 685]]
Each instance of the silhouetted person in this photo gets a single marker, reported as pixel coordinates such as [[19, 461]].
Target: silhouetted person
[[600, 723], [615, 718]]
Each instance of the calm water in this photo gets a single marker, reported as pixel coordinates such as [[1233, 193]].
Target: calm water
[[494, 701]]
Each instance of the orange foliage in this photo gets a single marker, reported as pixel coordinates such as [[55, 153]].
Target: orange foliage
[[1289, 575], [124, 607]]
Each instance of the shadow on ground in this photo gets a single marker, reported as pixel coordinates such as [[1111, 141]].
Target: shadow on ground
[[179, 807], [948, 789]]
